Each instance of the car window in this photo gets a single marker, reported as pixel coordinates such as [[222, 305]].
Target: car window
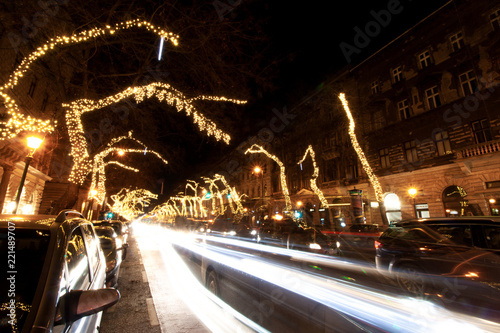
[[457, 234], [92, 247], [492, 237], [414, 233], [77, 262], [25, 254]]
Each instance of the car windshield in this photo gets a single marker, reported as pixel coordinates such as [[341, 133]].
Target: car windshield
[[26, 251]]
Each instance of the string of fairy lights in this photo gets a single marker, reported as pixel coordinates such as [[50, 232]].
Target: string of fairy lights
[[131, 204], [256, 149], [98, 179], [314, 186], [359, 151], [18, 121], [162, 92]]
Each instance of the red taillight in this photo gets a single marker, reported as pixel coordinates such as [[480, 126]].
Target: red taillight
[[377, 244]]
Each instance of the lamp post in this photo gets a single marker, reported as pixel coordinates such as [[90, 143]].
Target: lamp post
[[33, 143], [413, 193], [258, 170]]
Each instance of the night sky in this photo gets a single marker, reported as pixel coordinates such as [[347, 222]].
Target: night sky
[[306, 38]]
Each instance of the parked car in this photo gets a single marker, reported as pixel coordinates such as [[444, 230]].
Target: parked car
[[285, 232], [54, 274], [121, 230], [113, 249], [445, 257]]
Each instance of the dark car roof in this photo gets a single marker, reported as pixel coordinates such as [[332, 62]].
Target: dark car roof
[[447, 220], [38, 222]]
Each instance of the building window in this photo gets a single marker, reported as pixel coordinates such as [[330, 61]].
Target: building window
[[330, 171], [411, 151], [442, 143], [481, 130], [468, 82], [375, 87], [404, 109], [397, 74], [44, 102], [385, 161], [352, 170], [424, 59], [495, 19], [31, 91], [457, 41], [432, 97]]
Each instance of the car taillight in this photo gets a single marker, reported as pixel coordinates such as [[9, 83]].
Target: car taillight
[[377, 244]]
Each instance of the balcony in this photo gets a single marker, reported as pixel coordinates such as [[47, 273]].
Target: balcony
[[480, 149]]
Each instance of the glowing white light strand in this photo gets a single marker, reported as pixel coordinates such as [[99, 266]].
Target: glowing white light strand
[[314, 186], [364, 162], [19, 122], [162, 91], [255, 149]]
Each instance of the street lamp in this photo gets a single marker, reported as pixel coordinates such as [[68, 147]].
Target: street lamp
[[258, 170], [33, 144], [413, 193]]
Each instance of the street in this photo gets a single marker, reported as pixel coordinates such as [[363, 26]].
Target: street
[[162, 291]]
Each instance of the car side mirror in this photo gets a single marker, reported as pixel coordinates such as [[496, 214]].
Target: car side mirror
[[81, 303]]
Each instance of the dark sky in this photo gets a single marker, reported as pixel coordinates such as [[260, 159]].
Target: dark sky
[[306, 37], [312, 32], [304, 44]]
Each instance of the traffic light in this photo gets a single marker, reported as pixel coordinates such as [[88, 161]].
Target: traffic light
[[208, 195], [109, 216]]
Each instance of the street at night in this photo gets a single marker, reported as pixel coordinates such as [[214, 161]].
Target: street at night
[[249, 166]]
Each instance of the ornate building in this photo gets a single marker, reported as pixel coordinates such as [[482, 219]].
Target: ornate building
[[426, 109]]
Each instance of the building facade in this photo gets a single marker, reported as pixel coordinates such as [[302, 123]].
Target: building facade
[[427, 114]]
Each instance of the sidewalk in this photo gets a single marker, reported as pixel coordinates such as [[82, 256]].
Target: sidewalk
[[136, 312]]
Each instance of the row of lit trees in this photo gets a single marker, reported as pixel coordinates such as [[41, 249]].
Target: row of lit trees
[[196, 207]]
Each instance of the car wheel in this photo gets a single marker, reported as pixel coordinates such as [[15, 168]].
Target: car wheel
[[411, 279], [213, 283]]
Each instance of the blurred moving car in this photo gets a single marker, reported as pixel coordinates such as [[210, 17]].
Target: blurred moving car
[[121, 230], [54, 275], [285, 232], [226, 227], [464, 253], [113, 249], [360, 235]]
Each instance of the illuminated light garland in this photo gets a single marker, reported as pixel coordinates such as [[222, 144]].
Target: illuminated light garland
[[233, 195], [214, 195], [364, 162], [255, 149], [98, 168], [162, 91], [314, 186], [195, 198], [131, 203], [19, 122]]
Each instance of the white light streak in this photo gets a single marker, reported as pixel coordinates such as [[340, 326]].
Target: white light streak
[[160, 52], [387, 312]]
